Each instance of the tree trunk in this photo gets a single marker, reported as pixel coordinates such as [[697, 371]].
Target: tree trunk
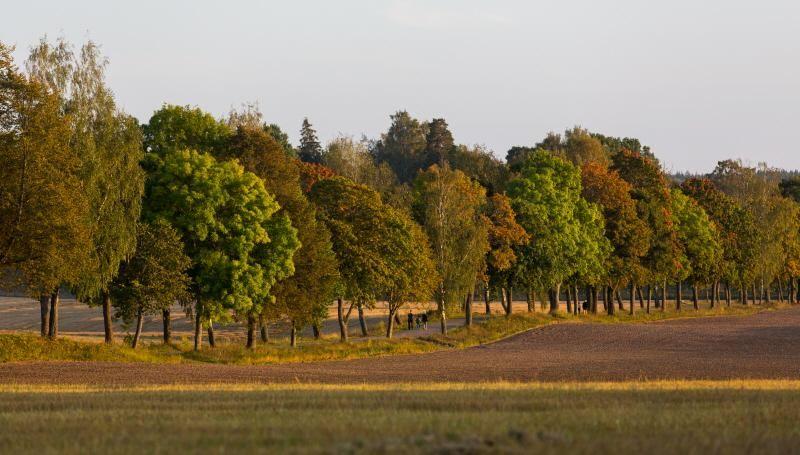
[[468, 309], [198, 328], [487, 300], [743, 294], [505, 296], [138, 332], [678, 295], [664, 296], [791, 290], [633, 299], [211, 340], [390, 324], [593, 302], [576, 296], [714, 294], [555, 294], [55, 300], [44, 305], [251, 332], [264, 326], [754, 295], [728, 294], [166, 319], [531, 300], [619, 300], [315, 329], [569, 300], [780, 291], [108, 328], [342, 322], [768, 296], [695, 300], [293, 336], [361, 321], [608, 299], [442, 314]]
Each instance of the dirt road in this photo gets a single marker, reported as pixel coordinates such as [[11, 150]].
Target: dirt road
[[765, 345]]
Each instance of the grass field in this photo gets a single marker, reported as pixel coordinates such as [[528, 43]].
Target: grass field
[[27, 347], [658, 417]]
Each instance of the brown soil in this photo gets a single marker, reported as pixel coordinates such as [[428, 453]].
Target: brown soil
[[762, 346]]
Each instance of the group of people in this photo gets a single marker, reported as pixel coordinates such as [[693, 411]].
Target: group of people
[[421, 320]]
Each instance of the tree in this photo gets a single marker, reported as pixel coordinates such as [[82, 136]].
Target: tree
[[184, 127], [239, 246], [450, 208], [517, 155], [439, 144], [736, 226], [628, 234], [757, 191], [352, 159], [578, 146], [311, 173], [310, 149], [412, 274], [154, 278], [790, 188], [565, 230], [44, 211], [700, 241], [109, 143], [309, 291], [666, 260], [376, 246], [479, 164], [402, 147], [505, 237]]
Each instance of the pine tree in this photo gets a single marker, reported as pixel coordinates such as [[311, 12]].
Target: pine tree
[[310, 148]]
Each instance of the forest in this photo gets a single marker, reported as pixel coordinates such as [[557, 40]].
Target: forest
[[229, 219]]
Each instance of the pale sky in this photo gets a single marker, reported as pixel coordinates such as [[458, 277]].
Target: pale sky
[[699, 81]]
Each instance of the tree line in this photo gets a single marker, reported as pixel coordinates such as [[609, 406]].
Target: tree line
[[229, 219]]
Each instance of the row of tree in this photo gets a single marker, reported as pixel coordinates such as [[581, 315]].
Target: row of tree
[[227, 218]]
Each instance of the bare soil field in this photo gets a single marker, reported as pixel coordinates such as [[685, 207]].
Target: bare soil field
[[762, 346]]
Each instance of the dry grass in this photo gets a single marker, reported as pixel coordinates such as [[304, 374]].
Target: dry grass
[[659, 417]]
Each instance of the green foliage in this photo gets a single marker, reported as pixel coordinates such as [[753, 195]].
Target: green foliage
[[305, 295], [238, 245], [735, 224], [310, 150], [578, 146], [402, 147], [790, 188], [480, 164], [699, 237], [352, 159], [44, 210], [450, 207], [566, 231], [109, 144], [184, 127], [363, 236], [650, 189], [155, 277], [439, 144]]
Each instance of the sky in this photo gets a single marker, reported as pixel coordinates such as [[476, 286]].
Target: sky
[[698, 81]]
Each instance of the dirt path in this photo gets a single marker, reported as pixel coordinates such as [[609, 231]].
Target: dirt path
[[765, 345]]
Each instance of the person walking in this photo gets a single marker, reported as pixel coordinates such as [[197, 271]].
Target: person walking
[[425, 321], [410, 320]]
